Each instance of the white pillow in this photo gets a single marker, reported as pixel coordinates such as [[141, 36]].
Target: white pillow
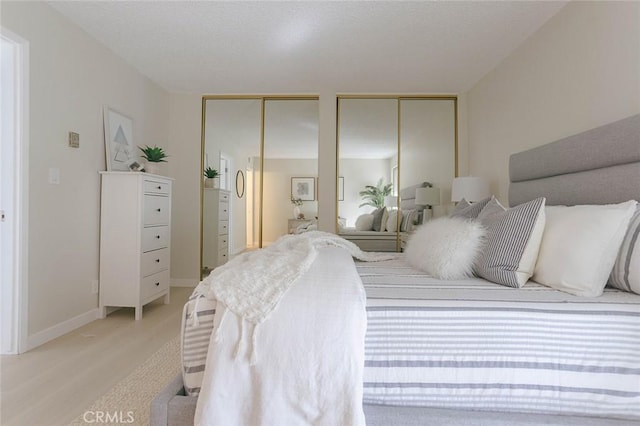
[[392, 221], [364, 222], [446, 247], [580, 245]]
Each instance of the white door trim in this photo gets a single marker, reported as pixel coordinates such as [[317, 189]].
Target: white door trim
[[19, 316]]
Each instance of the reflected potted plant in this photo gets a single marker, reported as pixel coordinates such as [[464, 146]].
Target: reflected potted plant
[[374, 195], [211, 176], [154, 155]]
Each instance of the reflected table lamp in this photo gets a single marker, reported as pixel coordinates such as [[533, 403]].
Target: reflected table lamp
[[427, 197], [470, 188]]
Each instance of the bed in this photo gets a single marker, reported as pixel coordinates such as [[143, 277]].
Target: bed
[[387, 241], [437, 349]]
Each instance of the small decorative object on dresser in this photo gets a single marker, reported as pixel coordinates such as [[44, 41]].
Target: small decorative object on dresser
[[153, 155], [215, 229], [297, 202], [135, 232]]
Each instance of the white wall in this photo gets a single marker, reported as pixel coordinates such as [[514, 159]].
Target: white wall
[[184, 133], [277, 207], [579, 71], [71, 77]]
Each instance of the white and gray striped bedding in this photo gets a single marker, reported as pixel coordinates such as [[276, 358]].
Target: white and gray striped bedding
[[478, 345]]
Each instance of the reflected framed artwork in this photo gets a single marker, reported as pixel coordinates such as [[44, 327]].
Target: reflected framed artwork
[[303, 188]]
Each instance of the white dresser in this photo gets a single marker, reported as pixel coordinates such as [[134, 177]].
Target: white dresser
[[135, 240], [215, 228]]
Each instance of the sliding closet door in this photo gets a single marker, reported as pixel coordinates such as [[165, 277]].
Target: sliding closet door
[[428, 146], [290, 166]]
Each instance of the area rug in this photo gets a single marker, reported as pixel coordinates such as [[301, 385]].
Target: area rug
[[129, 401]]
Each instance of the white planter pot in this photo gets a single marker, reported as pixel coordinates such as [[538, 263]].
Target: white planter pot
[[208, 183], [153, 168]]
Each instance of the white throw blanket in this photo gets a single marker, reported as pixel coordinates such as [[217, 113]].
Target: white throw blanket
[[311, 361], [252, 284]]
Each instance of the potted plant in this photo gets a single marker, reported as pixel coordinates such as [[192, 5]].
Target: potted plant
[[153, 155], [374, 195], [211, 178]]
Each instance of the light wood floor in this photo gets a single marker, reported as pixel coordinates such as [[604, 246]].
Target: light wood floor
[[54, 383]]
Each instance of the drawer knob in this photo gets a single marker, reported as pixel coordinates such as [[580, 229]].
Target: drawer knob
[[159, 187], [157, 260], [158, 236], [157, 283], [158, 210]]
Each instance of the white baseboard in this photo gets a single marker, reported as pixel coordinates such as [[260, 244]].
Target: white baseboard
[[184, 282], [53, 332]]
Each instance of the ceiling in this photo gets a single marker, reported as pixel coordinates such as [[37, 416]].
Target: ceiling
[[310, 47]]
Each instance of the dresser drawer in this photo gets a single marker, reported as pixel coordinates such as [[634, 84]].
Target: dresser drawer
[[224, 197], [223, 211], [223, 242], [154, 261], [223, 256], [223, 227], [153, 284], [155, 237], [155, 187], [156, 210]]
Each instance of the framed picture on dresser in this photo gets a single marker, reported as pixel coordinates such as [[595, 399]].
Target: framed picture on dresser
[[121, 152], [303, 188]]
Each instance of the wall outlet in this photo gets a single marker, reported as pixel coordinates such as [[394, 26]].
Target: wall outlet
[[94, 286]]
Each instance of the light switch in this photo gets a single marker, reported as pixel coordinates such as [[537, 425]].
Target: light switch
[[54, 176]]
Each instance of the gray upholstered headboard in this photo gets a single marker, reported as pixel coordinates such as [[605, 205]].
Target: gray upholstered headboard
[[599, 166], [408, 196]]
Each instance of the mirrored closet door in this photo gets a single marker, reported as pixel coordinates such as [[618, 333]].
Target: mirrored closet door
[[290, 203], [230, 146], [396, 162], [264, 154], [367, 171]]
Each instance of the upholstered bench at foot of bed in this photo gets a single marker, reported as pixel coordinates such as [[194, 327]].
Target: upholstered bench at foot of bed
[[173, 408]]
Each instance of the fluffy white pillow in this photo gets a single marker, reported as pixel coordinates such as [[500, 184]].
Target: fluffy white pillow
[[364, 222], [446, 247], [580, 245]]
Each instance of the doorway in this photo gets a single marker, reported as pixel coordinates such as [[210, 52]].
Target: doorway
[[13, 191]]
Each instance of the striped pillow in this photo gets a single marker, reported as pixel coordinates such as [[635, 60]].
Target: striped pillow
[[196, 333], [470, 211], [513, 240], [626, 271]]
